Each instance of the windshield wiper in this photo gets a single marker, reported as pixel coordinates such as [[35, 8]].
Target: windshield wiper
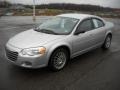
[[45, 31]]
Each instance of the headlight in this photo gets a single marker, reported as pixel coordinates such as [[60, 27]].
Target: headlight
[[34, 51]]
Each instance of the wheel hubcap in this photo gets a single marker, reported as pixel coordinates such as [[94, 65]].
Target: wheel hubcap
[[59, 60], [108, 42]]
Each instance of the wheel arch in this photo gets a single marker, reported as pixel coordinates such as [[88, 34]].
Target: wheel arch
[[109, 33], [57, 47]]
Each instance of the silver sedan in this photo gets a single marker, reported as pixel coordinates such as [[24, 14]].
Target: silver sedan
[[57, 40]]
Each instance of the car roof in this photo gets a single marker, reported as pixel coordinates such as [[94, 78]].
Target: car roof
[[77, 16]]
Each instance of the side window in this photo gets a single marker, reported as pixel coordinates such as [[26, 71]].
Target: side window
[[98, 23], [86, 25]]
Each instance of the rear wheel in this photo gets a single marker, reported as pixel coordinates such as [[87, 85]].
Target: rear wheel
[[107, 42], [58, 59]]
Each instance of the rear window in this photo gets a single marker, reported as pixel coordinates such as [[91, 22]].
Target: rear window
[[98, 23]]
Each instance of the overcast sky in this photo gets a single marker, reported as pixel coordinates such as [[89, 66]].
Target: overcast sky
[[106, 3]]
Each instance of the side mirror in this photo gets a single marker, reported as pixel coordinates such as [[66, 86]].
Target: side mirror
[[36, 27], [79, 31]]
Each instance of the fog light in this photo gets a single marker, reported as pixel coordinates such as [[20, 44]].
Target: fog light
[[26, 64]]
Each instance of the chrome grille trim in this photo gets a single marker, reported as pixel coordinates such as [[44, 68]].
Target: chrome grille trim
[[11, 55]]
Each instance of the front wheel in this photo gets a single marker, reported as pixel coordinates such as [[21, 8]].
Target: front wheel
[[58, 59], [107, 42]]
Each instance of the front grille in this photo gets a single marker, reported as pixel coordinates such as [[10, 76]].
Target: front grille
[[11, 55]]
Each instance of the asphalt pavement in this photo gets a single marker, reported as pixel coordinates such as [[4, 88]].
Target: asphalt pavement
[[95, 70]]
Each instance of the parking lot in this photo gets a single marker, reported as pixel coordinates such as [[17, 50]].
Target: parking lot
[[95, 70]]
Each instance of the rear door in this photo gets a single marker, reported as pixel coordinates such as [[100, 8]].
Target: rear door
[[99, 32]]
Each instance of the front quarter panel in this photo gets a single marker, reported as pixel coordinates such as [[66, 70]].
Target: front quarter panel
[[56, 44]]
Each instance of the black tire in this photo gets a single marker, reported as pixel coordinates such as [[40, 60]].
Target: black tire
[[107, 42], [58, 59]]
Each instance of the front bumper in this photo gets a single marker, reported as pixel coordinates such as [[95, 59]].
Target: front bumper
[[25, 60]]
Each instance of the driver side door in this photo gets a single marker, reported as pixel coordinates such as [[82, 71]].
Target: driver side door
[[83, 39]]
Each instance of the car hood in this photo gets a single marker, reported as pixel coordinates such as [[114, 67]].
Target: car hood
[[32, 38]]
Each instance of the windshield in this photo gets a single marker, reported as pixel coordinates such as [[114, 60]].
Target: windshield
[[58, 25]]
